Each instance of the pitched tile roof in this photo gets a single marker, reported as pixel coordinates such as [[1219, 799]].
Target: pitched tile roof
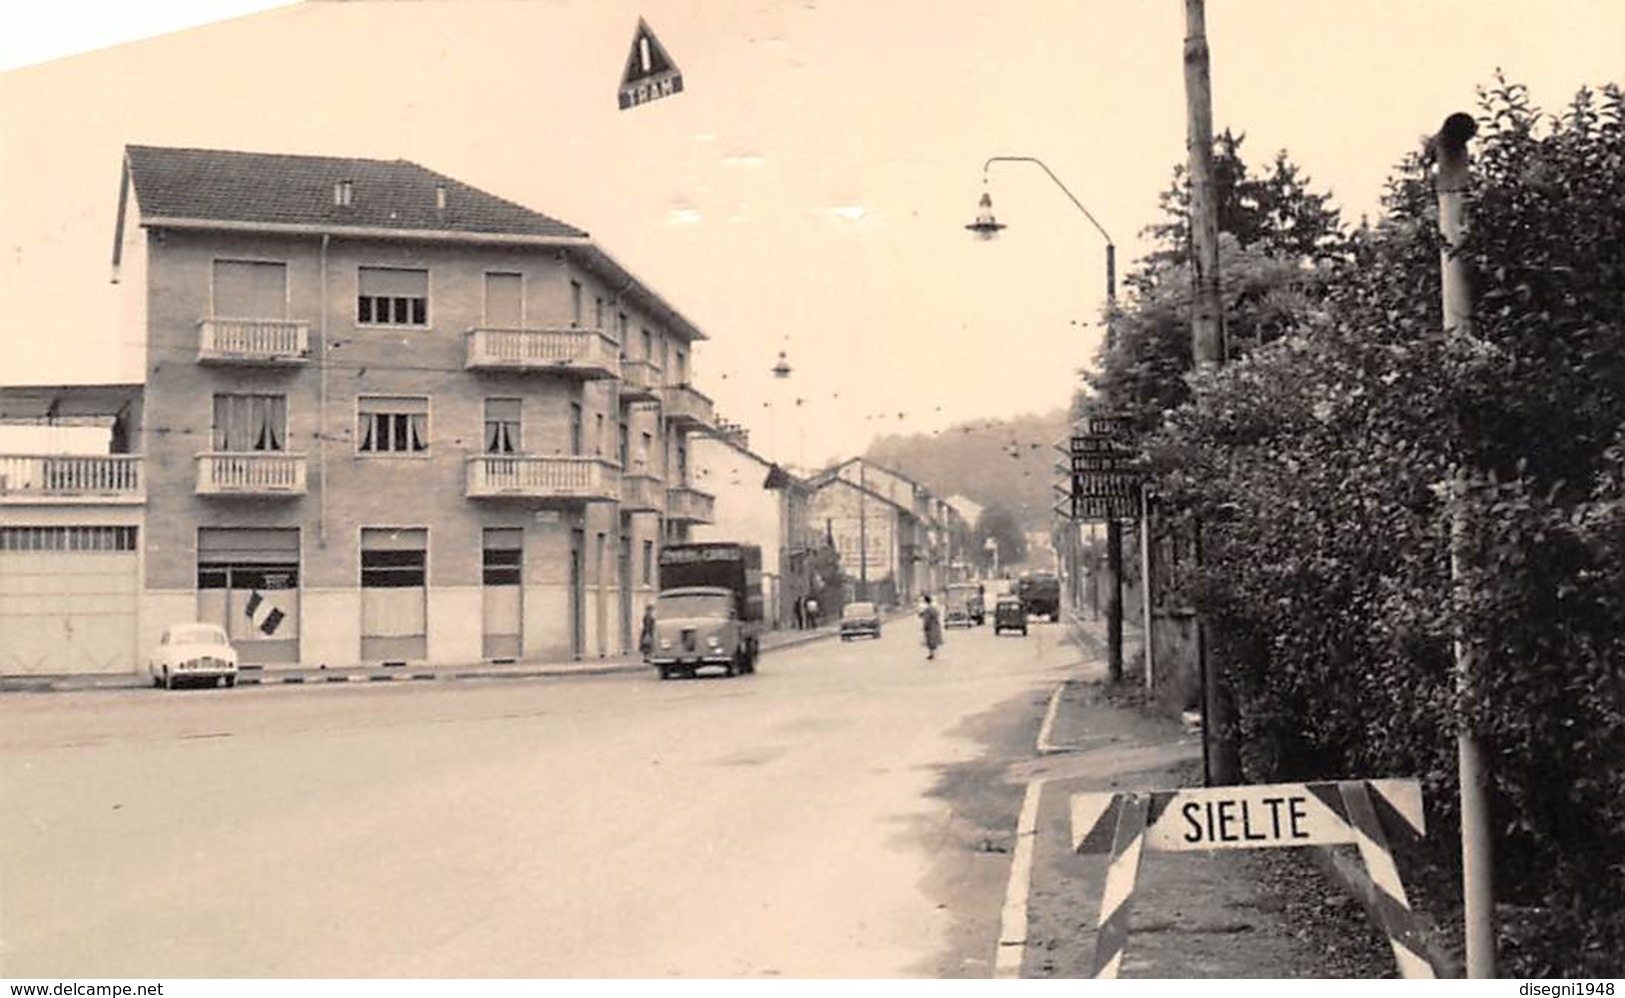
[[274, 188]]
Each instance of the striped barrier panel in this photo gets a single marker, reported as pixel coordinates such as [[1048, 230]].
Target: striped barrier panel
[[1283, 815]]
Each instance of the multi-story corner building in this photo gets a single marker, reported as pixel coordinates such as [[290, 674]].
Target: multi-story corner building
[[758, 502], [386, 416]]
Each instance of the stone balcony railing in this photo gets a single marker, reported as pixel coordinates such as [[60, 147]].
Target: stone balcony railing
[[253, 341], [267, 474], [685, 504], [580, 353], [640, 381], [71, 478], [534, 476], [687, 408], [642, 493]]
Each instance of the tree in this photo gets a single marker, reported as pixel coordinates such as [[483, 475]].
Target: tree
[[1280, 241], [1003, 527], [1276, 213], [1313, 463]]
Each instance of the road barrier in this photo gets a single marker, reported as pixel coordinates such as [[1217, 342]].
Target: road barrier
[[1283, 815]]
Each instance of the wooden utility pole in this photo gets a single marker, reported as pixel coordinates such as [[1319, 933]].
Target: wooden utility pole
[[1221, 754], [1477, 883], [1114, 527]]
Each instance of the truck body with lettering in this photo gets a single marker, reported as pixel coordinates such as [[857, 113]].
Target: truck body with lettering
[[1040, 594], [709, 609]]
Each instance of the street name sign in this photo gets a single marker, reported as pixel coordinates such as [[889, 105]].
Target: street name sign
[[650, 73], [1283, 815]]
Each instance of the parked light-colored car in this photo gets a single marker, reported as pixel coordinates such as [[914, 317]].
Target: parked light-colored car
[[193, 653]]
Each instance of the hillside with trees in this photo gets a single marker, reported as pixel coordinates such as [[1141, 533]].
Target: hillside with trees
[[1006, 464]]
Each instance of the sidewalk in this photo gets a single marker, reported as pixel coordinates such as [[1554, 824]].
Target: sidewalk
[[771, 641], [1226, 914]]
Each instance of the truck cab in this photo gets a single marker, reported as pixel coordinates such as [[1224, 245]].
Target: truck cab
[[698, 626], [709, 609]]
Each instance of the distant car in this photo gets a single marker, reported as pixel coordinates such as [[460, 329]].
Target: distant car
[[962, 605], [859, 618], [1010, 614], [193, 652]]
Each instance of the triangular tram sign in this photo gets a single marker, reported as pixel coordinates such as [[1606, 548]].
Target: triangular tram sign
[[650, 73]]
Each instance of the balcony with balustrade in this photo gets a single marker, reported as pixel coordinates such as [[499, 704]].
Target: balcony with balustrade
[[687, 409], [641, 381], [558, 478], [587, 354], [71, 479], [256, 342], [642, 493], [686, 504], [251, 474]]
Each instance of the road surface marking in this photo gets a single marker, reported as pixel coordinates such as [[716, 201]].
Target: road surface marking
[[1013, 923], [1046, 731]]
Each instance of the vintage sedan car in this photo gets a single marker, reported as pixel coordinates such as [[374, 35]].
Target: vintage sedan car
[[1010, 614], [193, 653], [859, 619]]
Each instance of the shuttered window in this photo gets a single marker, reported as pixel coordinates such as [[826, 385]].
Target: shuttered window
[[393, 559], [250, 289], [504, 301], [392, 297], [504, 549]]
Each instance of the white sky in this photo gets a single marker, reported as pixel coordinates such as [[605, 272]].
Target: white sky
[[806, 192]]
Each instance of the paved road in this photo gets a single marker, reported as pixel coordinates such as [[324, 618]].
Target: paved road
[[790, 824]]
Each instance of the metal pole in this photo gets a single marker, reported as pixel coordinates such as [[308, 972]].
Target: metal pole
[[863, 534], [1477, 883], [1145, 583], [1114, 529]]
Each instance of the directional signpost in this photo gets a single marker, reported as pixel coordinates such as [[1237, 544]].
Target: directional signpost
[[1104, 484]]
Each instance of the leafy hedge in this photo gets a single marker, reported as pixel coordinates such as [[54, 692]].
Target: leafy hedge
[[1318, 466]]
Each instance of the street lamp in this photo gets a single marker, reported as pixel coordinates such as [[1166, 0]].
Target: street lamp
[[986, 227]]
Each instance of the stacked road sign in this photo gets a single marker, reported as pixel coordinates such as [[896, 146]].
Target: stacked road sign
[[1101, 483]]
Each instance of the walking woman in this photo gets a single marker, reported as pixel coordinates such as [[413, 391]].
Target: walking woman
[[931, 621]]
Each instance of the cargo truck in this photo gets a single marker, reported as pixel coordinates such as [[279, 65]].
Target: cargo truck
[[709, 609]]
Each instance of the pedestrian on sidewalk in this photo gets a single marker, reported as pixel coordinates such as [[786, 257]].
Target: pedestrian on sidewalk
[[812, 612], [646, 638], [801, 613], [931, 623]]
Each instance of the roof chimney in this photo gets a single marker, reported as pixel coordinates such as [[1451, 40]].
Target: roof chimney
[[439, 197], [344, 193]]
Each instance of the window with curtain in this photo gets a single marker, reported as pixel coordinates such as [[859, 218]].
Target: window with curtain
[[391, 296], [393, 426], [244, 423], [501, 426]]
